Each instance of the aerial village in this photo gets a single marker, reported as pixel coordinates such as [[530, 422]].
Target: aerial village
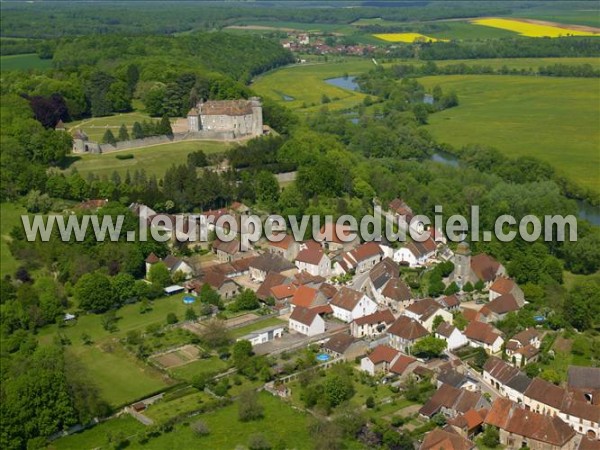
[[351, 303]]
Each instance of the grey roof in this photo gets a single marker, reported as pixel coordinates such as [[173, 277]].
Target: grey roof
[[519, 383], [270, 262], [452, 377], [583, 377]]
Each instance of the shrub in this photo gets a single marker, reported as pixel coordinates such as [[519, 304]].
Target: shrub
[[125, 156], [200, 428]]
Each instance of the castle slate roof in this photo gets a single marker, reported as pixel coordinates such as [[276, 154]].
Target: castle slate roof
[[226, 108]]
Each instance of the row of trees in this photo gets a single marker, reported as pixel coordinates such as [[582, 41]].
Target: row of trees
[[139, 131]]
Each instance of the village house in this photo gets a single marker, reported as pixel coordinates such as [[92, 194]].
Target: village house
[[379, 360], [523, 347], [361, 259], [404, 332], [451, 401], [544, 397], [449, 303], [468, 424], [224, 286], [425, 311], [453, 336], [263, 264], [403, 366], [379, 276], [372, 325], [174, 264], [397, 295], [416, 254], [227, 251], [520, 428], [287, 248], [306, 321], [312, 259], [469, 269], [342, 345], [582, 416], [506, 286], [307, 297], [401, 212], [499, 373], [265, 335], [445, 439], [498, 308], [283, 294], [456, 379], [332, 235], [271, 280], [348, 305], [484, 335]]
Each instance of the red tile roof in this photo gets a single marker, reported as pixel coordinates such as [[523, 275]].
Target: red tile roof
[[304, 296], [383, 353], [482, 332], [152, 258], [397, 290], [312, 254], [366, 251], [502, 285], [272, 279], [401, 364], [501, 305], [485, 267], [382, 316], [546, 393], [439, 439], [284, 243], [346, 298], [407, 328], [283, 291], [424, 308], [305, 316]]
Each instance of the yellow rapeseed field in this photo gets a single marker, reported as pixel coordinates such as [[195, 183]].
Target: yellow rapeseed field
[[405, 37], [531, 29]]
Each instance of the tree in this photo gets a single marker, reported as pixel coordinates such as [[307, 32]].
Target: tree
[[209, 295], [468, 287], [109, 138], [370, 402], [94, 292], [246, 301], [123, 285], [460, 321], [437, 320], [479, 285], [582, 304], [490, 437], [452, 289], [190, 314], [242, 350], [172, 318], [164, 127], [325, 99], [429, 347], [249, 408], [200, 428], [421, 114], [137, 131], [258, 441], [551, 375], [215, 333], [337, 389], [123, 133], [159, 274]]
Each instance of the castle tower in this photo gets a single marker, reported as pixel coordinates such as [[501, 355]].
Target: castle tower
[[257, 118], [462, 264], [193, 117]]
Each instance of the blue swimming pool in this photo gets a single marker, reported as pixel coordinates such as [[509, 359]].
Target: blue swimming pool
[[188, 300], [322, 357]]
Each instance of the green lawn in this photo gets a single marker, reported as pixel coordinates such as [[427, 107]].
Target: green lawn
[[97, 126], [305, 83], [164, 410], [188, 371], [154, 159], [96, 437], [280, 424], [520, 63], [24, 62], [10, 215], [554, 119]]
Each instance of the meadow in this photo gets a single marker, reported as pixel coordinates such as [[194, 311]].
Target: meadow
[[554, 119], [26, 61], [155, 160], [96, 127], [520, 63], [534, 29], [10, 216], [304, 85]]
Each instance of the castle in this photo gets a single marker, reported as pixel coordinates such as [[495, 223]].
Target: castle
[[214, 119], [228, 117]]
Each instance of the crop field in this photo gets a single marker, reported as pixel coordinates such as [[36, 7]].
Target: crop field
[[537, 28], [554, 119], [10, 216], [154, 159], [406, 37], [301, 87], [26, 61]]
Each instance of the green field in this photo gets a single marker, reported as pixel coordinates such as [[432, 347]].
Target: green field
[[10, 215], [520, 63], [554, 119], [97, 126], [24, 62], [186, 372], [154, 159], [270, 322], [306, 84]]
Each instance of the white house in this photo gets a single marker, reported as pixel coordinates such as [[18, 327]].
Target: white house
[[306, 321], [364, 257], [372, 325], [452, 335], [312, 259], [264, 335], [379, 360], [348, 305], [173, 263], [416, 254], [404, 332], [484, 335]]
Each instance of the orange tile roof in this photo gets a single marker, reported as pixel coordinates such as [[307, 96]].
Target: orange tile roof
[[383, 353], [401, 364], [304, 296], [283, 291]]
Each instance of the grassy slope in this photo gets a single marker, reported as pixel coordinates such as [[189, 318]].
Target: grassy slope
[[522, 63], [10, 215], [24, 62], [555, 119], [305, 83], [97, 126], [154, 159]]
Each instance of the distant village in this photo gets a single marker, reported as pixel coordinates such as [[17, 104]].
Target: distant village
[[350, 299], [318, 44]]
